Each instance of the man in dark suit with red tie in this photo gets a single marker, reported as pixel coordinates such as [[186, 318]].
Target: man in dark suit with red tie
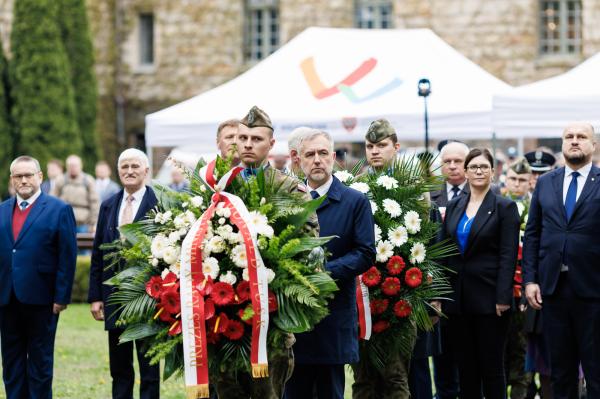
[[127, 206], [38, 252], [560, 263]]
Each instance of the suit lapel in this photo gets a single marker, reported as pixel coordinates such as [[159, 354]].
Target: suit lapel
[[145, 205], [37, 208], [484, 213], [334, 194], [457, 213], [557, 184], [114, 216], [7, 216], [589, 187]]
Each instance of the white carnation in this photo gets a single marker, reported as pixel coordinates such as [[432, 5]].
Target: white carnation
[[245, 275], [216, 244], [417, 253], [184, 204], [221, 221], [210, 267], [154, 262], [175, 268], [360, 186], [167, 216], [159, 218], [228, 278], [189, 217], [384, 251], [179, 221], [196, 201], [159, 243], [343, 175], [171, 254], [174, 237], [223, 212], [224, 231], [412, 221], [398, 236], [387, 182], [164, 273], [392, 207], [238, 256]]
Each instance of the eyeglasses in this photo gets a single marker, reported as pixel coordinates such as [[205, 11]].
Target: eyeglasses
[[27, 176], [484, 168]]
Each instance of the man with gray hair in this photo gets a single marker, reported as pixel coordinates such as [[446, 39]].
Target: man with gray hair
[[38, 252], [294, 146], [345, 214], [127, 206]]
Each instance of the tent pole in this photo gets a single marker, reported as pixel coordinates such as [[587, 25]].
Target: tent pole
[[150, 153], [521, 146], [494, 148]]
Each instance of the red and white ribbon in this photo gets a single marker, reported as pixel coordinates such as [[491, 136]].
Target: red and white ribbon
[[364, 310], [192, 277]]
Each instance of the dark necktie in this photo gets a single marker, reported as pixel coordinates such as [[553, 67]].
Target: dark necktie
[[23, 205], [314, 194], [455, 191], [571, 195]]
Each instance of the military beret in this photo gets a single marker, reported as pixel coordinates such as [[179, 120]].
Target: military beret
[[379, 130], [520, 166], [256, 117], [540, 161]]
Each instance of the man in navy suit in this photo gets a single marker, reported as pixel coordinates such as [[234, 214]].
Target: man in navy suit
[[560, 262], [346, 214], [127, 206], [38, 252]]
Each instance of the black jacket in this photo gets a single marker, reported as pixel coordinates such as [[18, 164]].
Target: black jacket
[[483, 276]]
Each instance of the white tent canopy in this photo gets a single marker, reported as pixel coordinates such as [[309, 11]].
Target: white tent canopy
[[544, 108], [357, 76]]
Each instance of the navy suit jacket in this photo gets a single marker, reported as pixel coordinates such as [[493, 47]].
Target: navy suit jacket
[[551, 240], [40, 264], [484, 273], [107, 231], [346, 214]]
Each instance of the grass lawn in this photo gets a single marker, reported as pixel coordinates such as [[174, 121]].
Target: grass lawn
[[81, 360]]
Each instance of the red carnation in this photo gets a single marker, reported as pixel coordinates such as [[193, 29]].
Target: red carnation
[[272, 302], [235, 330], [390, 286], [170, 301], [243, 291], [209, 308], [402, 308], [380, 326], [378, 306], [154, 286], [218, 324], [413, 277], [371, 277], [241, 316], [395, 265], [222, 293]]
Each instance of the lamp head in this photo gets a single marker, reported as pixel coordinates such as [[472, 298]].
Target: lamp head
[[424, 87]]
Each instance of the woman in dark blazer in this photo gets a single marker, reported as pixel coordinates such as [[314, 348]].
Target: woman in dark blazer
[[485, 227]]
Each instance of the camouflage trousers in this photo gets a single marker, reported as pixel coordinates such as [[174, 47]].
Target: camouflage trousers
[[243, 386], [389, 383], [516, 347]]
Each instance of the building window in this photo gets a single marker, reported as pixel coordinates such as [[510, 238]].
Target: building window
[[560, 27], [373, 14], [146, 32], [262, 28]]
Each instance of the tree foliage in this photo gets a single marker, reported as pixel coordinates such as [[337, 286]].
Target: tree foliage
[[77, 40], [6, 129], [44, 109]]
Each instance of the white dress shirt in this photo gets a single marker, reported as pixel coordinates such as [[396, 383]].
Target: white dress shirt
[[324, 188], [29, 200], [450, 193], [584, 171], [135, 205]]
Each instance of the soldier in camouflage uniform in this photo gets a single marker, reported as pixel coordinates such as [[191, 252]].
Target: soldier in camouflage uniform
[[391, 382], [254, 141], [517, 187]]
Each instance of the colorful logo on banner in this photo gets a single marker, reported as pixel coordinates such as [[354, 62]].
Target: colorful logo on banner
[[344, 86]]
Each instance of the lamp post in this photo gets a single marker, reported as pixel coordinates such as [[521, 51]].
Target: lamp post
[[424, 87]]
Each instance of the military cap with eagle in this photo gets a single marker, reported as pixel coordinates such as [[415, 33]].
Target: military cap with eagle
[[379, 130], [256, 117]]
